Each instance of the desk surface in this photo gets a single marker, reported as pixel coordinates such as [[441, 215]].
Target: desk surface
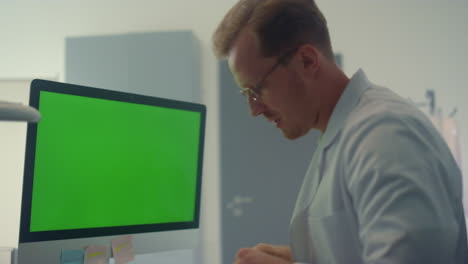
[[185, 256]]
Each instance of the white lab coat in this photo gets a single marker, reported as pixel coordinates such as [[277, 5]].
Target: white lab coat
[[382, 187]]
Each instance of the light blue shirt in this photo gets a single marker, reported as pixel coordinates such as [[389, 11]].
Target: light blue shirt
[[382, 187]]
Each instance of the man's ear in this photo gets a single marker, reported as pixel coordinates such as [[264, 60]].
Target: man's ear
[[309, 58]]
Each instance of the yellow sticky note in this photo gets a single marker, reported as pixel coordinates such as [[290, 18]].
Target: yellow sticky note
[[96, 255], [122, 249]]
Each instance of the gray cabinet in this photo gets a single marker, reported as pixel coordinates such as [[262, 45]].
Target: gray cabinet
[[161, 64], [261, 172]]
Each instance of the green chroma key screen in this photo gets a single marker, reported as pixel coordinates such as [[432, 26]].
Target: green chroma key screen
[[102, 163]]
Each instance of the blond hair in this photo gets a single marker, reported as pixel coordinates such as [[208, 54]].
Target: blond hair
[[278, 24]]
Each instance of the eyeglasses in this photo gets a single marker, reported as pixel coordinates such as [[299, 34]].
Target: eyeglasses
[[254, 92]]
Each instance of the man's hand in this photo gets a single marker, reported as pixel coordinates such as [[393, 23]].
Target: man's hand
[[264, 253], [283, 252]]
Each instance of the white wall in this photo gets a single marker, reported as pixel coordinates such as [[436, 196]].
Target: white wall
[[407, 45], [12, 146]]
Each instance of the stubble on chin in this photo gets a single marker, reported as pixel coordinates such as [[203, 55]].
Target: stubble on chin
[[293, 134]]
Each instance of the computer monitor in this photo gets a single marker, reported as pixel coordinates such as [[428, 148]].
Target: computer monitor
[[104, 163]]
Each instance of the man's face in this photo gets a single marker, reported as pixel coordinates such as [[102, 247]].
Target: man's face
[[281, 92]]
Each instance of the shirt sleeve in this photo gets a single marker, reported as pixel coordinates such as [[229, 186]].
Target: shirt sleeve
[[404, 200]]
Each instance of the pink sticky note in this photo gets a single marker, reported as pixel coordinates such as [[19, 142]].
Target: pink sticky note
[[122, 249], [96, 255]]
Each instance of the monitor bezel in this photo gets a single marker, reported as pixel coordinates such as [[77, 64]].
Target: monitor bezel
[[38, 86]]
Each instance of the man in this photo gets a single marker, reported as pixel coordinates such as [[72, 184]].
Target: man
[[382, 186]]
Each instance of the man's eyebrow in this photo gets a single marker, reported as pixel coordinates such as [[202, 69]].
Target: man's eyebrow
[[238, 82], [243, 85]]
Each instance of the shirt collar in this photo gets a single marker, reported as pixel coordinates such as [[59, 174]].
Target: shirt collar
[[348, 100]]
